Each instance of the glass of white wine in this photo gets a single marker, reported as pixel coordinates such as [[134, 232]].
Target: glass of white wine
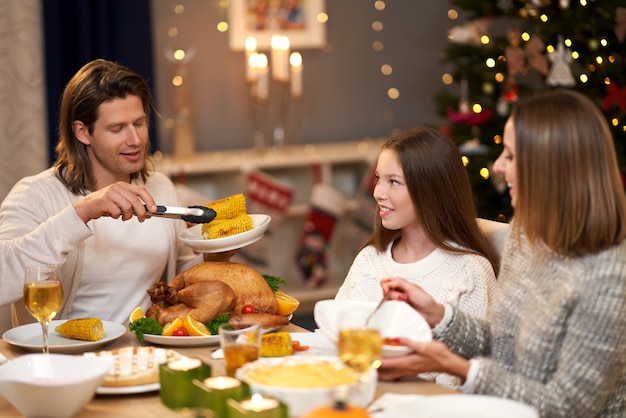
[[43, 296], [359, 346]]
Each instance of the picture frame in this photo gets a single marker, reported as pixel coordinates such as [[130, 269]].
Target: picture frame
[[263, 19]]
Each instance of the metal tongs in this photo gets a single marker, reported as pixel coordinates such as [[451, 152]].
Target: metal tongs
[[192, 214]]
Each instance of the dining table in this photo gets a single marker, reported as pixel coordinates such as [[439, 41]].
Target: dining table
[[149, 404]]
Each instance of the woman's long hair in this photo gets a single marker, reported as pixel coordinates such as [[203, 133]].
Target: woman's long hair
[[569, 191]]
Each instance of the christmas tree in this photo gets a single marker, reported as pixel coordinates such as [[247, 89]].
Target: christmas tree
[[501, 50]]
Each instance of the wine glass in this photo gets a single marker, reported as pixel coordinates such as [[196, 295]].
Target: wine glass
[[359, 345], [43, 296]]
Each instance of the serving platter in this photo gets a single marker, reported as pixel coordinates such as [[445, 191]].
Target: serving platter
[[29, 337], [193, 237], [128, 390], [186, 341]]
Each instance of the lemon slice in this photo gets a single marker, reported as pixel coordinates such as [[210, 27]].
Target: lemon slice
[[195, 327], [169, 328], [286, 305], [136, 314]]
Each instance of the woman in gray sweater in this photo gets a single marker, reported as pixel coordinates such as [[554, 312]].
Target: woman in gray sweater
[[555, 336]]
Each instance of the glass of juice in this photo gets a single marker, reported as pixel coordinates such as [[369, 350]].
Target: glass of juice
[[43, 296], [240, 346]]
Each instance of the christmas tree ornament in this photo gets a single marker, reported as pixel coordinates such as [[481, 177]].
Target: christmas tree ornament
[[502, 107], [469, 33], [326, 205], [614, 96], [510, 91], [560, 73], [535, 56], [505, 5], [514, 54], [620, 23], [268, 195]]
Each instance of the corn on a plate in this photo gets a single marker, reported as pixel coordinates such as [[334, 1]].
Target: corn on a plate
[[193, 236], [28, 336]]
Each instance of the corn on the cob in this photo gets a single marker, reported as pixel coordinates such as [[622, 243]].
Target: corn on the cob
[[227, 227], [88, 329], [276, 344], [228, 207]]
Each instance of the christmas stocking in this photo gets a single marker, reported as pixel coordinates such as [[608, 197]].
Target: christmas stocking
[[326, 205], [268, 195]]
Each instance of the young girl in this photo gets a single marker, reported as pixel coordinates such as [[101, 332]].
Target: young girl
[[425, 227]]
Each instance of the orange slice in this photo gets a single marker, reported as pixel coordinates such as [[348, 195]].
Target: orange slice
[[136, 314], [286, 305], [195, 327], [169, 328]]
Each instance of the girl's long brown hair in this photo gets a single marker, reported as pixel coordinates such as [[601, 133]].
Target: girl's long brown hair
[[441, 193]]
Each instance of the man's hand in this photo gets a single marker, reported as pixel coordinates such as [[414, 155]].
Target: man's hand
[[118, 200]]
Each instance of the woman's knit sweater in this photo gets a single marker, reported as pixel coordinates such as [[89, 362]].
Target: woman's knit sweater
[[556, 333]]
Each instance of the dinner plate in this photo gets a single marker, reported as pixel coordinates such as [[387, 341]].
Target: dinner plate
[[318, 343], [466, 406], [193, 237], [29, 337], [186, 341], [127, 390]]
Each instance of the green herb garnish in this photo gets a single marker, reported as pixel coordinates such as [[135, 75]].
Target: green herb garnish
[[145, 326], [213, 324], [274, 282]]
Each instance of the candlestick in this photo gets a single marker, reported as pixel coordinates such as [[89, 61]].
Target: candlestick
[[257, 406], [295, 60], [213, 393], [250, 49], [176, 378], [280, 57], [263, 82]]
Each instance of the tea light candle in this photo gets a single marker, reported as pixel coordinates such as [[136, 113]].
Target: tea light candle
[[176, 378], [257, 406], [213, 393], [184, 363]]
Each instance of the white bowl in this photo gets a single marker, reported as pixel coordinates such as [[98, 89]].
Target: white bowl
[[300, 400], [52, 385], [393, 319]]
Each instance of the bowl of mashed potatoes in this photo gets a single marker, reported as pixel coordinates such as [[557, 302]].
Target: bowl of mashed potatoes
[[307, 382]]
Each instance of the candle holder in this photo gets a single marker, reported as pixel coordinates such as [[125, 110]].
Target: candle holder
[[213, 392], [271, 117], [257, 406], [176, 377]]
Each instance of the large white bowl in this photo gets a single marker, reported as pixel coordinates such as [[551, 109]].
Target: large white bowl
[[393, 319], [301, 400], [52, 385]]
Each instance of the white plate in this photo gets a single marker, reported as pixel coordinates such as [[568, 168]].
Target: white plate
[[318, 343], [193, 237], [466, 406], [29, 337], [186, 341], [126, 390]]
